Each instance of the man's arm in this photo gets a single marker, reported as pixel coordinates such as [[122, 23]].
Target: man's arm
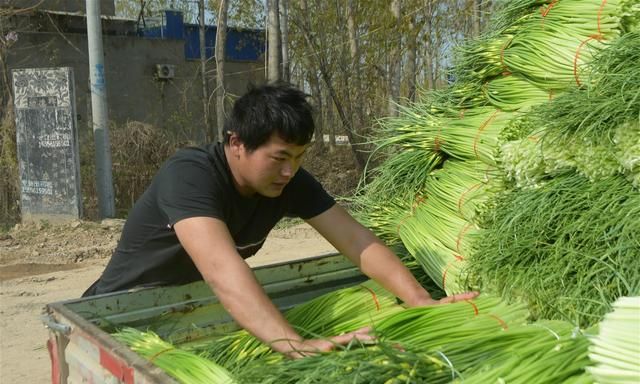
[[374, 258], [211, 247]]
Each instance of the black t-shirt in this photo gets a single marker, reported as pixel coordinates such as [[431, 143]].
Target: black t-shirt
[[198, 182]]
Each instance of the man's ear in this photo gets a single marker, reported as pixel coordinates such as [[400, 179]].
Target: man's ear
[[235, 144]]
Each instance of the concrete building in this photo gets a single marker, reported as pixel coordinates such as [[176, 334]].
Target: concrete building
[[152, 72]]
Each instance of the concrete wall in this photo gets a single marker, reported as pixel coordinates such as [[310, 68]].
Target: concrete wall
[[133, 90]]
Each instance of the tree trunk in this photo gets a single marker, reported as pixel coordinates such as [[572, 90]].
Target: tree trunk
[[203, 71], [429, 74], [284, 27], [410, 71], [356, 89], [476, 4], [329, 120], [221, 42], [273, 41], [395, 59], [314, 83], [300, 75], [436, 72], [431, 81]]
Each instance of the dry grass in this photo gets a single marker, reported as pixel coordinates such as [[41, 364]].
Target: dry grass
[[138, 150]]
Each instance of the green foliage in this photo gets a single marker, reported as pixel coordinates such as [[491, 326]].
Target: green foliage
[[569, 247]]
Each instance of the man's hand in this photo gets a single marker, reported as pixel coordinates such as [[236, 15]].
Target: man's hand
[[311, 347], [446, 300]]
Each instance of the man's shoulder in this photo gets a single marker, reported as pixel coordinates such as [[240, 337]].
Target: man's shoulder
[[304, 177], [191, 183], [303, 183], [193, 154], [193, 158], [303, 174]]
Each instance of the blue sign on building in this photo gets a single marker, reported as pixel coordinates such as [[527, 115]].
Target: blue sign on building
[[242, 44]]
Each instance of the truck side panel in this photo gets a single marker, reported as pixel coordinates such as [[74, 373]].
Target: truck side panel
[[83, 351]]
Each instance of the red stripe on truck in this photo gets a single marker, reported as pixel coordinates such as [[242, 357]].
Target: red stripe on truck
[[118, 368], [52, 346]]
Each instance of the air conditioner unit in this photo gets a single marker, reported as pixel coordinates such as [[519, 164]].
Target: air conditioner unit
[[165, 71]]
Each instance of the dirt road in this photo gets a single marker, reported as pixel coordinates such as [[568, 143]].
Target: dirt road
[[40, 264]]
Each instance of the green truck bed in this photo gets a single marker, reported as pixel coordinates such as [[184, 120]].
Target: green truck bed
[[82, 350]]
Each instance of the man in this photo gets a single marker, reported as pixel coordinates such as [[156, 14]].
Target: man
[[207, 209]]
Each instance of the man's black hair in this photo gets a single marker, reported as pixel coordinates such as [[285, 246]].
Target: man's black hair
[[271, 108]]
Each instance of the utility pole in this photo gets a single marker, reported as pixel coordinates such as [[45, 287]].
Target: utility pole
[[104, 181]]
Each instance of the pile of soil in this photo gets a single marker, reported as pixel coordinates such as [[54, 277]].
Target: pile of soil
[[32, 249]]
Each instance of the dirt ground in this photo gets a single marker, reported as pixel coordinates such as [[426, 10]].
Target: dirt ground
[[41, 264]]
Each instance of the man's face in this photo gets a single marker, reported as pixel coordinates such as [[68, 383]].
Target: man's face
[[267, 169]]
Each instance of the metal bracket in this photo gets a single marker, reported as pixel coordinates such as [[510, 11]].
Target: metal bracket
[[53, 325]]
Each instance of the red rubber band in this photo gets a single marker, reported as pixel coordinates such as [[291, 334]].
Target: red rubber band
[[504, 66], [437, 140], [502, 322], [475, 307], [414, 206], [545, 11], [604, 2], [577, 55], [482, 127], [375, 298], [444, 277], [461, 234], [598, 37], [417, 202], [160, 353], [461, 199], [446, 269]]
